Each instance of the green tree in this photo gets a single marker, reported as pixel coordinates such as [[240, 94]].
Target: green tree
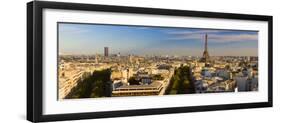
[[157, 77], [181, 83], [92, 85], [133, 81]]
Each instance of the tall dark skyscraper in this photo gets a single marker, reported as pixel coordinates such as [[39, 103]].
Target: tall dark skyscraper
[[106, 52], [206, 56]]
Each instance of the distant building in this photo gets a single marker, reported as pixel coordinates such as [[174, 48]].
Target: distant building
[[244, 83], [96, 59], [223, 73], [241, 83], [224, 86], [138, 90], [206, 73], [106, 51], [116, 84], [68, 80], [146, 80], [118, 55]]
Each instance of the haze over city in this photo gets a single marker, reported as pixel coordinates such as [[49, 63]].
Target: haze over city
[[144, 40]]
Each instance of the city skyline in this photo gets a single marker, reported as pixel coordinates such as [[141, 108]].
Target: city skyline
[[86, 39], [134, 75]]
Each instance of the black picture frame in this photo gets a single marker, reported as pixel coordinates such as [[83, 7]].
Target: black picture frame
[[35, 69]]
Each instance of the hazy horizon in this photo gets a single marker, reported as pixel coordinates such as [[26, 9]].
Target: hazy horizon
[[90, 39]]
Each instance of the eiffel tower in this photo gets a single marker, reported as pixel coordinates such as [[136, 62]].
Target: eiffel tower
[[206, 56]]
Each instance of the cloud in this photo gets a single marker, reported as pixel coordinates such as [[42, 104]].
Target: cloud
[[216, 36], [234, 38], [187, 32]]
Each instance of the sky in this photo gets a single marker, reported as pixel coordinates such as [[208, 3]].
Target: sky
[[85, 39]]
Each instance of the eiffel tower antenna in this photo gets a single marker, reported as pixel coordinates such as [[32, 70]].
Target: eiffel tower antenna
[[206, 42]]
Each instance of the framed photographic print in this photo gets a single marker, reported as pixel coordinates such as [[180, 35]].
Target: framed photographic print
[[95, 61]]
